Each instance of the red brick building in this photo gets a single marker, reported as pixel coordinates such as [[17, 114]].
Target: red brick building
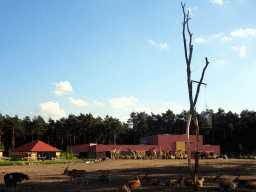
[[172, 142]]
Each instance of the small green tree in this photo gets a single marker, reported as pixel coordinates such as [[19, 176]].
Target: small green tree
[[10, 152], [2, 147], [71, 155]]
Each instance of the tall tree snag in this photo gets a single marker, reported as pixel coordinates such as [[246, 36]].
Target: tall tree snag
[[192, 113]]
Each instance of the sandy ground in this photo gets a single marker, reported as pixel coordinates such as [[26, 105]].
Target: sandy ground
[[50, 177]]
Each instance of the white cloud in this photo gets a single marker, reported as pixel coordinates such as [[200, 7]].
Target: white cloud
[[208, 38], [242, 51], [215, 36], [225, 38], [220, 2], [96, 116], [78, 102], [159, 45], [174, 107], [200, 40], [163, 46], [49, 109], [122, 119], [190, 10], [143, 109], [152, 42], [243, 33], [122, 102], [234, 48], [221, 62], [62, 87], [100, 104]]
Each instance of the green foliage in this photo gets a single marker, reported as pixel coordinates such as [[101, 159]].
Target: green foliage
[[240, 147], [2, 146], [12, 163], [71, 155], [68, 155], [7, 163], [10, 152], [228, 130]]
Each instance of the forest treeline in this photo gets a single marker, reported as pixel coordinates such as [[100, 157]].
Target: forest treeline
[[233, 132]]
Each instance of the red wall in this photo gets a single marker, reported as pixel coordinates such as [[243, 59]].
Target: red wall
[[100, 147], [165, 141]]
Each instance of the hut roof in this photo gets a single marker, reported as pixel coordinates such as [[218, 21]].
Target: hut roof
[[36, 146]]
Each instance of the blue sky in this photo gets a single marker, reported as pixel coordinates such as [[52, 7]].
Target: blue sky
[[113, 57]]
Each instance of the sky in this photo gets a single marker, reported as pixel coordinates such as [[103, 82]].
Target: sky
[[114, 57]]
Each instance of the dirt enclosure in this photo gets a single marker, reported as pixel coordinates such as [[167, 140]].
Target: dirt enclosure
[[50, 177]]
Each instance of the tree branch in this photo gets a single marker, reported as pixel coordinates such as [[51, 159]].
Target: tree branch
[[188, 60], [184, 37], [199, 84]]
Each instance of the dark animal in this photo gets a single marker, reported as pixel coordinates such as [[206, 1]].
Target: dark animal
[[175, 182], [124, 188], [244, 183], [14, 179], [105, 178], [226, 184], [151, 180], [76, 173]]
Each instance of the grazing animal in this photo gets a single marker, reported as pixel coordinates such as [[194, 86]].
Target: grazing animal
[[14, 179], [151, 180], [172, 155], [124, 188], [225, 184], [152, 152], [244, 183], [132, 153], [134, 184], [105, 178], [167, 153], [76, 173], [199, 181], [117, 153], [185, 156], [175, 182]]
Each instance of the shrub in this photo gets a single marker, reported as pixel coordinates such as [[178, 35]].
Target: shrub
[[2, 147], [10, 152]]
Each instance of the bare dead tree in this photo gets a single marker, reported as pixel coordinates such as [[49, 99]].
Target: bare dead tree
[[192, 113]]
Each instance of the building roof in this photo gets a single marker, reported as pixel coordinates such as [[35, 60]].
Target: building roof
[[80, 148], [36, 146]]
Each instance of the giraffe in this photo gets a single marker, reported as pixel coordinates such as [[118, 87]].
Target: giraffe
[[132, 153], [152, 152], [167, 153], [118, 152], [160, 153], [114, 154]]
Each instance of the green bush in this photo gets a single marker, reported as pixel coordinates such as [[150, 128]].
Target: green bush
[[18, 162], [10, 152], [2, 147], [68, 155]]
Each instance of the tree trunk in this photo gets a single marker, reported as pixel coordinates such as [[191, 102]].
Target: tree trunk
[[62, 141], [13, 140], [188, 147], [196, 186]]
